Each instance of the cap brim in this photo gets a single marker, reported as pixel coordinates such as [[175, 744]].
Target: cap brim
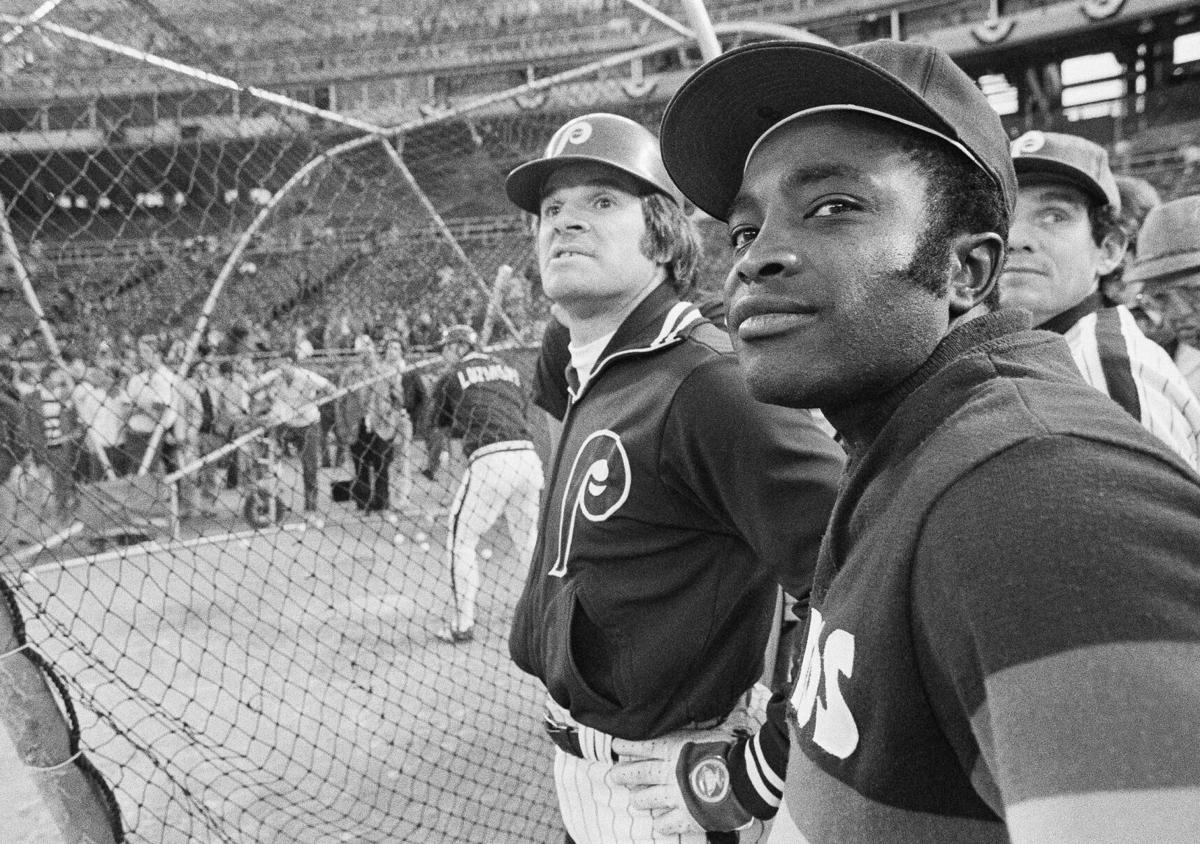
[[524, 184], [718, 114], [1033, 165], [1166, 265]]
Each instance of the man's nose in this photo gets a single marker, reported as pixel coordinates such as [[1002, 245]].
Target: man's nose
[[1020, 236], [765, 260], [570, 221]]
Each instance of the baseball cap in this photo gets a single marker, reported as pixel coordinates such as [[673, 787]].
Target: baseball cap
[[1068, 157], [459, 334], [728, 106], [1169, 241], [602, 138]]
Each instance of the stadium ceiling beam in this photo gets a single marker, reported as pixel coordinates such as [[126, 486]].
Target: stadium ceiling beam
[[663, 18], [702, 27], [195, 73], [773, 30], [34, 16], [371, 129]]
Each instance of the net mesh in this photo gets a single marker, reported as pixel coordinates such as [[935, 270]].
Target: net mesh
[[248, 653]]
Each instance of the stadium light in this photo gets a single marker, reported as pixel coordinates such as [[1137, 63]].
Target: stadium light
[[1186, 48]]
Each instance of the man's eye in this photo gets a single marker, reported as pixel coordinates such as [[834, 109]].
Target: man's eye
[[1052, 216], [604, 202], [549, 210], [742, 236], [832, 207]]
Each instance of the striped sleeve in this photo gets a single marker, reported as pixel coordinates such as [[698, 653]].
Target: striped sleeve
[[1115, 357], [758, 763], [1059, 599]]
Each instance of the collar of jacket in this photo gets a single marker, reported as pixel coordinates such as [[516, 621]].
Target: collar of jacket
[[659, 320], [963, 339], [1062, 323]]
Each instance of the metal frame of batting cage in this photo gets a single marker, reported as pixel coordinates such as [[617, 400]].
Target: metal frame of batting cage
[[87, 806]]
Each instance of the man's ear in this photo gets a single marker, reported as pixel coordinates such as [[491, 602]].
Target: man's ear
[[976, 261], [1112, 252]]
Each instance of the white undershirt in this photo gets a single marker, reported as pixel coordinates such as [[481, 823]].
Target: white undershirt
[[584, 357]]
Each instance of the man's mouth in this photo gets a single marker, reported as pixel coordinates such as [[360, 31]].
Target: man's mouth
[[760, 326], [762, 317], [567, 252], [1017, 269]]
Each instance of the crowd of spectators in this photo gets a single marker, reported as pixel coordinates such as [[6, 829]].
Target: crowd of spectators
[[90, 415]]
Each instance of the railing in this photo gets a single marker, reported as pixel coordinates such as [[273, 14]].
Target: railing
[[77, 252]]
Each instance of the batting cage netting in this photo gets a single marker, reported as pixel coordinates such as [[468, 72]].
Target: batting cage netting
[[223, 516]]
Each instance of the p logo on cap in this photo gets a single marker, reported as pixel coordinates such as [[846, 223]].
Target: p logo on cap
[[1029, 143], [1069, 158]]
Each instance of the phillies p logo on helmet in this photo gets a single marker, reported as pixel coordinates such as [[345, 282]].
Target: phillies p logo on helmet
[[574, 133]]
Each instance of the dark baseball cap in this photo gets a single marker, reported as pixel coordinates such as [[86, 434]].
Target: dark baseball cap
[[724, 109], [1069, 158], [1169, 241], [459, 334]]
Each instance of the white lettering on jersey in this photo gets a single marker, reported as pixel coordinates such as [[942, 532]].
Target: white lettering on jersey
[[596, 488], [491, 372], [834, 730]]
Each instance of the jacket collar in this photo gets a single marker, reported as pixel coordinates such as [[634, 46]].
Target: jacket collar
[[957, 343], [1062, 323], [659, 320], [656, 321]]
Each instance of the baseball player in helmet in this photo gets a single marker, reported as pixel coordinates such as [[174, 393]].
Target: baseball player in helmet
[[663, 532], [480, 401]]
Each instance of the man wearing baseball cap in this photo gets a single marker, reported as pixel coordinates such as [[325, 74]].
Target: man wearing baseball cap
[[675, 504], [1004, 630], [1066, 237], [1167, 266]]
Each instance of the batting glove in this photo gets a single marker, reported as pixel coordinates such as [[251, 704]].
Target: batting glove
[[685, 784]]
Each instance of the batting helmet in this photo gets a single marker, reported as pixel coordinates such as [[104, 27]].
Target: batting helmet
[[604, 138], [459, 334]]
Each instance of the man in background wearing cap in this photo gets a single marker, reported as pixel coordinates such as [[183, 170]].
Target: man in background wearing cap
[[1066, 237], [1004, 635], [480, 401], [650, 596], [1167, 266]]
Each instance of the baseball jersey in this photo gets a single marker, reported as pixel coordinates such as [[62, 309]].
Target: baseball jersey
[[481, 401], [1006, 611], [1187, 361], [675, 504], [1115, 357]]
